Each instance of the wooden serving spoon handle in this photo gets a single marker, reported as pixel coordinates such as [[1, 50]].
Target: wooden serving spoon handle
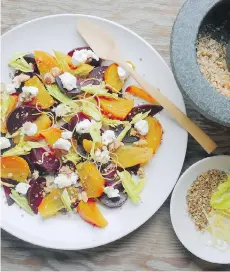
[[198, 134]]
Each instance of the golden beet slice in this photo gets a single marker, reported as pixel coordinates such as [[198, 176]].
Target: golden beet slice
[[91, 214], [116, 108], [51, 135], [87, 144], [91, 179], [127, 156], [14, 167], [45, 62], [112, 78], [155, 133], [51, 204], [43, 99]]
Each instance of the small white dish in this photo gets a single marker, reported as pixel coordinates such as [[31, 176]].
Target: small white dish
[[196, 242]]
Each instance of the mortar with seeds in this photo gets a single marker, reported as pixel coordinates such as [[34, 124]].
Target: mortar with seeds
[[200, 56]]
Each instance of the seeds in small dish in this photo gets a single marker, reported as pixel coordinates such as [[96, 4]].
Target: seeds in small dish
[[199, 196]]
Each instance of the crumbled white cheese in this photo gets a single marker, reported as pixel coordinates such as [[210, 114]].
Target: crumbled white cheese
[[10, 88], [69, 81], [83, 126], [62, 144], [102, 156], [29, 128], [22, 188], [63, 180], [4, 143], [80, 56], [111, 192], [108, 137], [142, 127], [61, 110], [122, 73], [28, 93], [67, 134]]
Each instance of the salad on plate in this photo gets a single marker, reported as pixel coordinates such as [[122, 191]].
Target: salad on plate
[[71, 135]]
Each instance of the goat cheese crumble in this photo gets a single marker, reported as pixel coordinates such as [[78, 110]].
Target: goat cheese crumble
[[81, 56], [63, 180], [102, 156], [111, 192], [29, 128], [67, 135], [61, 110], [62, 144], [142, 127], [22, 188], [4, 143], [108, 137], [83, 126], [69, 81], [28, 93]]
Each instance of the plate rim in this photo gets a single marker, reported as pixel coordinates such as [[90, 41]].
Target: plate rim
[[173, 200], [185, 141]]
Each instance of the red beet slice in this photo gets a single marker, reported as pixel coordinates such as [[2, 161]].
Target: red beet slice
[[114, 202], [98, 73], [154, 109], [20, 115], [80, 116], [90, 61], [71, 93], [35, 193], [46, 163]]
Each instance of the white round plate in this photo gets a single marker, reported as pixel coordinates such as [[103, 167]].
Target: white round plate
[[196, 241], [71, 232]]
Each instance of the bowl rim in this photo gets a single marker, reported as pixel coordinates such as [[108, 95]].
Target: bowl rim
[[211, 103]]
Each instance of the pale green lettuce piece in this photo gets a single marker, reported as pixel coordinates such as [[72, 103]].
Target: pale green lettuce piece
[[19, 63], [72, 156], [91, 110], [132, 188], [113, 123], [66, 200], [95, 132], [140, 116], [98, 90], [54, 91], [121, 136], [21, 201], [220, 200], [23, 148], [62, 61]]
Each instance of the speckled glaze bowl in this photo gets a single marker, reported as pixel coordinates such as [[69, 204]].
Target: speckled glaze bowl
[[189, 23]]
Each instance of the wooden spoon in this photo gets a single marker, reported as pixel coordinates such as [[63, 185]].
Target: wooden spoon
[[105, 47]]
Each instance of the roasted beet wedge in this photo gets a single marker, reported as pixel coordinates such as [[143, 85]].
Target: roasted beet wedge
[[35, 193], [30, 58], [98, 73], [44, 161], [71, 93], [80, 116], [20, 115], [90, 61], [154, 109], [114, 202]]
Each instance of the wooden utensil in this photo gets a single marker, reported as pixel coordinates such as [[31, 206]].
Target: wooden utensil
[[105, 47]]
